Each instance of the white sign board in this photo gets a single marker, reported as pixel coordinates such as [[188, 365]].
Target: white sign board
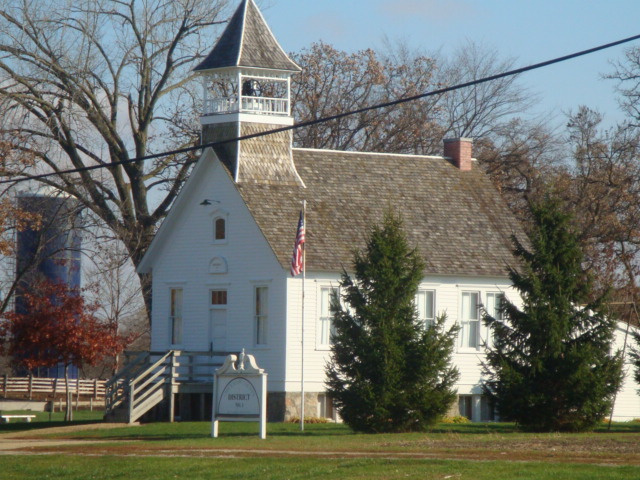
[[239, 393]]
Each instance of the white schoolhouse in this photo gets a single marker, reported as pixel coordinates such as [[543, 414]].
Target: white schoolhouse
[[220, 261]]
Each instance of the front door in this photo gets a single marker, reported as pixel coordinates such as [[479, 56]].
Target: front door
[[218, 330], [218, 321]]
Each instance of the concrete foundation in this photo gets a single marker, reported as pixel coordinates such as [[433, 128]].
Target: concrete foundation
[[284, 406]]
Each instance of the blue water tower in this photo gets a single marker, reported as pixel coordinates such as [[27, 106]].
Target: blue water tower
[[49, 251]]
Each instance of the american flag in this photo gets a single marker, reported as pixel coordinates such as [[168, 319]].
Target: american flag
[[297, 264]]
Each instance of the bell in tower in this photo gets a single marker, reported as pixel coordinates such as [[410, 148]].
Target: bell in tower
[[247, 89]]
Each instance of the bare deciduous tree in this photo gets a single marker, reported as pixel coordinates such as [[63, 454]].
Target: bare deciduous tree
[[115, 289], [333, 82], [102, 81], [605, 194], [522, 158], [627, 75], [596, 174], [44, 227], [480, 110]]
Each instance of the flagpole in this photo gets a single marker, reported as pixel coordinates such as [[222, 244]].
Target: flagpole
[[304, 275]]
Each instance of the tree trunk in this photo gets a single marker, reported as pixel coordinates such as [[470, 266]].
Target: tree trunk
[[137, 251], [68, 414], [145, 282]]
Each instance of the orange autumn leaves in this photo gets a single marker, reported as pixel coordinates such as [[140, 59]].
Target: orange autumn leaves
[[59, 328]]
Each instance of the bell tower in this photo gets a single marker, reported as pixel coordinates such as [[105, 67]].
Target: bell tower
[[247, 89]]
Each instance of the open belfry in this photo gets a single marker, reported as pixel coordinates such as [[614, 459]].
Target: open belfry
[[247, 90]]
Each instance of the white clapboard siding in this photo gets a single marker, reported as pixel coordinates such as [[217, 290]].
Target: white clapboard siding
[[187, 250], [448, 298], [627, 405]]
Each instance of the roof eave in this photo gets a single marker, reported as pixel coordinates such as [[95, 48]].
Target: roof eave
[[146, 264]]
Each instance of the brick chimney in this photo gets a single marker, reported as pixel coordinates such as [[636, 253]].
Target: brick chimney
[[458, 152]]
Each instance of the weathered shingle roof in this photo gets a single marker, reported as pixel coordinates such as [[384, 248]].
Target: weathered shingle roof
[[247, 42], [457, 219]]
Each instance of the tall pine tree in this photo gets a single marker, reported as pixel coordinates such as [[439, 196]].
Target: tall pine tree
[[551, 366], [388, 372]]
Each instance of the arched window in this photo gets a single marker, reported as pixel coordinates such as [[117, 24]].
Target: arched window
[[219, 229]]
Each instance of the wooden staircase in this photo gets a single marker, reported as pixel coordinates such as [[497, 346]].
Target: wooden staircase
[[152, 379]]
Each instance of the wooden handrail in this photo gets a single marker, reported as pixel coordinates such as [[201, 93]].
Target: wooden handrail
[[139, 359], [159, 372], [138, 383], [152, 367], [140, 399]]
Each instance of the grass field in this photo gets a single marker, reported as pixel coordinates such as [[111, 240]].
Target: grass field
[[161, 468], [467, 451]]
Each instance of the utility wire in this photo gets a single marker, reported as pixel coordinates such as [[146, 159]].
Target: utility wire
[[332, 117]]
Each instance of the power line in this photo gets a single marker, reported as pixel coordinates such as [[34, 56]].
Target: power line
[[332, 117]]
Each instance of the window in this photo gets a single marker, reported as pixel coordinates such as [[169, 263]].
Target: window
[[493, 308], [325, 407], [325, 320], [487, 409], [175, 318], [494, 303], [218, 297], [425, 304], [262, 309], [465, 406], [470, 320], [219, 229]]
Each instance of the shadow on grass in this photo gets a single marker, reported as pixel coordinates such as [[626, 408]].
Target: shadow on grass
[[619, 427], [201, 430], [21, 426], [475, 428], [47, 420], [292, 429], [506, 428]]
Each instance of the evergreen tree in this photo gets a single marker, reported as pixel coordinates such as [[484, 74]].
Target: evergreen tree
[[635, 356], [551, 367], [388, 372]]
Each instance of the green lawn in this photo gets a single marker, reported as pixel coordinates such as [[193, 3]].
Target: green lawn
[[160, 468], [449, 451]]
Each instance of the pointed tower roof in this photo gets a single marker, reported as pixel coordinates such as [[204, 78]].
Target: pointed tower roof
[[248, 42]]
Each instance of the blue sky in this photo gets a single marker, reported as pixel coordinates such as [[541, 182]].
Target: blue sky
[[531, 31]]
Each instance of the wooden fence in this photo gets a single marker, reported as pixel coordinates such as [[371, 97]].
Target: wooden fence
[[39, 387]]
